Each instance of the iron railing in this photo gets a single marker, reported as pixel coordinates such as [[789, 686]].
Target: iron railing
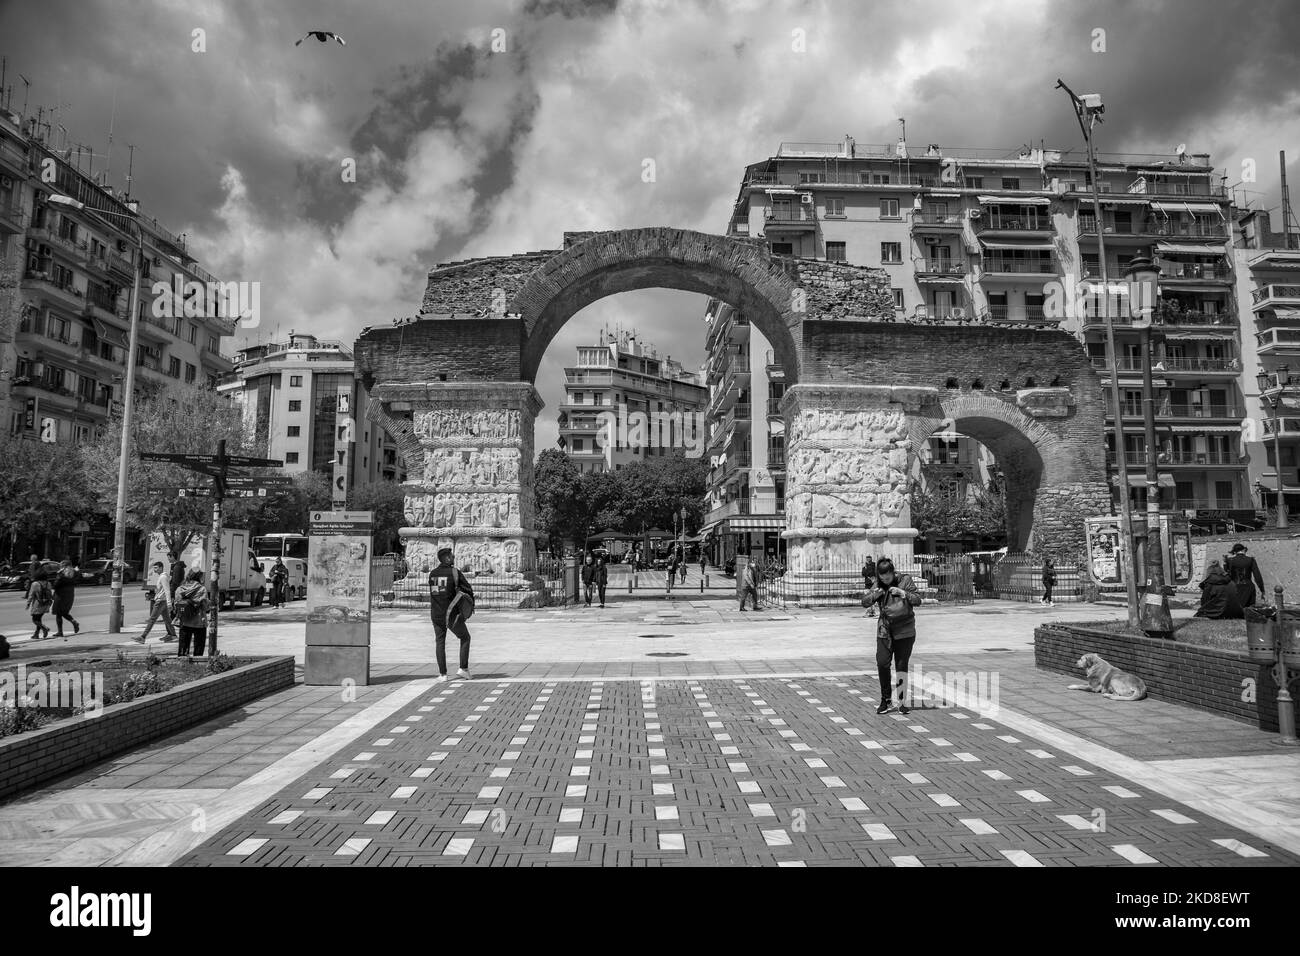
[[553, 582]]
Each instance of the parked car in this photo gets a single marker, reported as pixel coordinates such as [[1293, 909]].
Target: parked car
[[100, 571], [19, 578]]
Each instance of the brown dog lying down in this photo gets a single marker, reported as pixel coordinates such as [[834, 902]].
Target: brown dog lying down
[[1108, 680]]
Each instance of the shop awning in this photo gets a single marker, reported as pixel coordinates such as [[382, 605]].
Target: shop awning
[[1028, 246], [709, 527], [1216, 429], [781, 191], [1285, 313], [1216, 336], [1014, 200], [1192, 207], [109, 334], [1213, 247], [774, 523], [945, 193], [1112, 200]]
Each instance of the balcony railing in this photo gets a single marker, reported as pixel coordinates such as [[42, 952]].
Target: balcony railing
[[776, 458], [1200, 364], [1170, 269], [937, 219], [1268, 293], [1154, 226], [1139, 458], [1144, 186], [1282, 426], [801, 213], [1278, 341], [1283, 383], [1181, 410], [995, 222], [997, 264], [940, 267], [774, 408], [1206, 504]]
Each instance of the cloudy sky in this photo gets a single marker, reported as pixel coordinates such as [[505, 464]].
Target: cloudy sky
[[462, 151]]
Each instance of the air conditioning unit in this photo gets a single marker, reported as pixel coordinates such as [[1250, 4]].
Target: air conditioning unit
[[6, 182], [806, 198], [957, 312], [32, 244], [976, 212], [157, 260], [930, 240]]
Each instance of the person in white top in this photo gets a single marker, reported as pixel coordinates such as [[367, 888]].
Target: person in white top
[[162, 603]]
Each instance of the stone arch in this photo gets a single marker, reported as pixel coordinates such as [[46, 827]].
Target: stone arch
[[1033, 457], [743, 274]]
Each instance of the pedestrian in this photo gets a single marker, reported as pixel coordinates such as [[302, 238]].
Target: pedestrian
[[897, 597], [65, 592], [672, 573], [869, 582], [1219, 597], [588, 578], [191, 604], [175, 573], [682, 564], [749, 578], [602, 578], [451, 601], [1244, 572], [39, 598], [279, 578], [704, 564], [161, 604], [34, 564], [1049, 582]]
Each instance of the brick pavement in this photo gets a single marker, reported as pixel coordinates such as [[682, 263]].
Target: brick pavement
[[751, 770]]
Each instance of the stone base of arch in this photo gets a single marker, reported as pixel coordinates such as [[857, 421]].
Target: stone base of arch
[[469, 454]]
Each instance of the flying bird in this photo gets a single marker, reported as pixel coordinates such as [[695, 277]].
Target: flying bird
[[324, 36]]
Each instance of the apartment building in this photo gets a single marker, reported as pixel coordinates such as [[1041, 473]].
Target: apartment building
[[745, 498], [65, 319], [624, 403], [1268, 271], [290, 395], [983, 235]]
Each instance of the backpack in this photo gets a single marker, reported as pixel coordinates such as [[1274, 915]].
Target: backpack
[[463, 602], [192, 604]]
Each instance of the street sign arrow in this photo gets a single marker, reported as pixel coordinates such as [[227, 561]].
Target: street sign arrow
[[176, 492], [205, 460], [269, 481], [241, 461]]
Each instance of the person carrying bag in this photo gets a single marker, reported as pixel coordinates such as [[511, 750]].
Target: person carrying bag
[[896, 597], [451, 604]]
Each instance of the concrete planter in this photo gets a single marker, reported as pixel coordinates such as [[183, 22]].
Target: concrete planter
[[1207, 678], [30, 759]]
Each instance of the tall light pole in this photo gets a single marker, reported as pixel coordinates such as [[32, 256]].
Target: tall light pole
[[1087, 110], [1266, 381], [1142, 277], [115, 609]]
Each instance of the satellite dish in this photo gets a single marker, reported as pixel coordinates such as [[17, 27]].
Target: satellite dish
[[1182, 148]]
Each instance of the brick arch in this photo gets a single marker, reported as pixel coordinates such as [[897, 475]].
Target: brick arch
[[1030, 456], [743, 274]]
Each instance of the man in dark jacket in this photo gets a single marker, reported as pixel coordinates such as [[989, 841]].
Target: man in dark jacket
[[446, 584], [175, 571], [1244, 572], [588, 578], [1219, 599], [602, 578]]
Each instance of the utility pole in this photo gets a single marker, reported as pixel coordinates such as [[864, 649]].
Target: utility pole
[[1087, 111], [214, 572]]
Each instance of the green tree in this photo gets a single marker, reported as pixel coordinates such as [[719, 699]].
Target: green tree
[[556, 496], [176, 419], [948, 514], [388, 502], [289, 511], [654, 491], [43, 489]]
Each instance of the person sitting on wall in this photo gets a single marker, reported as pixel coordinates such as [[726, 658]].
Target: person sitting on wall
[[1220, 599]]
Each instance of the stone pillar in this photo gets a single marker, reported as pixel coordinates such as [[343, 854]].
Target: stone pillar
[[847, 454], [471, 489]]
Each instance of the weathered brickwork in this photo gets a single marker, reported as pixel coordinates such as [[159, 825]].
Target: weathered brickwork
[[1030, 395]]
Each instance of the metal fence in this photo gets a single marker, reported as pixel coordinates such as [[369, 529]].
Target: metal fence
[[553, 583]]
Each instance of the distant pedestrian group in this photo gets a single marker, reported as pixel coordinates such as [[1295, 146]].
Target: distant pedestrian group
[[595, 577], [45, 596]]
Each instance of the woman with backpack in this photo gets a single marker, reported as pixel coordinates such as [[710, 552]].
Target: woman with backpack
[[39, 598], [65, 592], [897, 597], [191, 606]]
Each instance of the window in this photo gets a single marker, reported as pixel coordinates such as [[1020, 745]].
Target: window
[[834, 205], [295, 381], [974, 182], [191, 373], [891, 252], [174, 367], [889, 209], [291, 458], [782, 249], [1010, 182], [295, 431], [1223, 494], [194, 334], [805, 178], [874, 179], [835, 252], [577, 444], [295, 405], [213, 344], [898, 298]]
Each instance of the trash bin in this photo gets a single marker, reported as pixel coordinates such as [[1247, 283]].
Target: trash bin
[[1261, 636]]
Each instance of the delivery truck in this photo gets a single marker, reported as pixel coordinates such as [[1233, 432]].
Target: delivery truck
[[240, 577]]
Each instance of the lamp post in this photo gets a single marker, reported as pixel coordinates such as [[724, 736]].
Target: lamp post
[[1142, 275], [116, 611], [1274, 402], [1087, 110]]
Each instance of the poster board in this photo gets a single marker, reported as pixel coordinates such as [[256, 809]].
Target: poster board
[[338, 597], [1105, 547]]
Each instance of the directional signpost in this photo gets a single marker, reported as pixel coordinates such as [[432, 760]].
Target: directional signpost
[[224, 485]]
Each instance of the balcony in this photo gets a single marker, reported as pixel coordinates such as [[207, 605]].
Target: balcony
[[1282, 427], [1183, 186], [1174, 271], [1288, 383], [1278, 341], [1179, 458], [728, 510], [774, 409], [1167, 318], [993, 221], [1166, 409], [940, 269], [937, 222], [1208, 504], [790, 218], [589, 378], [776, 459], [1198, 365], [1000, 266], [11, 217], [1024, 315], [44, 282], [1152, 226], [1272, 296]]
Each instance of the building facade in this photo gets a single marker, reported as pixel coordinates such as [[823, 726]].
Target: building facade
[[65, 311], [624, 403], [985, 236], [745, 498], [289, 392]]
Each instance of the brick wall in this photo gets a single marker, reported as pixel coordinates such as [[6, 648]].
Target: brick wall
[[31, 759], [1202, 677], [466, 287], [423, 351]]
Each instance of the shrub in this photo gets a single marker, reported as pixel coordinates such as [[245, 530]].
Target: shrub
[[221, 663], [17, 720], [137, 685]]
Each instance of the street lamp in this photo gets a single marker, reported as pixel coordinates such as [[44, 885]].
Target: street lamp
[[1266, 382], [115, 608], [1087, 110], [1143, 276]]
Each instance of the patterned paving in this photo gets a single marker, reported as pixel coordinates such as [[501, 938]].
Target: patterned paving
[[746, 771]]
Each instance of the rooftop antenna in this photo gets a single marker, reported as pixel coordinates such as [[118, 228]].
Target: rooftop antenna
[[27, 89], [130, 165], [108, 162], [1288, 216]]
